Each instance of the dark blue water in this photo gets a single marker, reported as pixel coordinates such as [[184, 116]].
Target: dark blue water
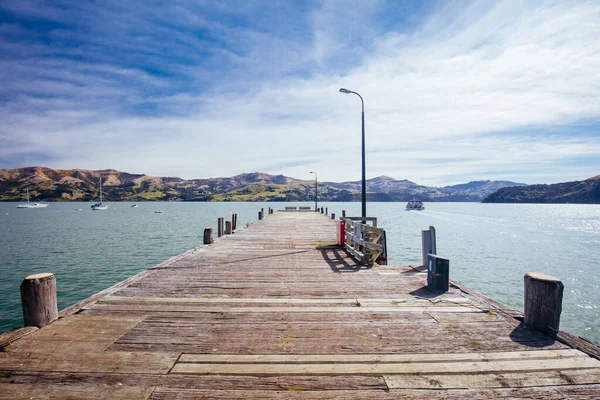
[[490, 246]]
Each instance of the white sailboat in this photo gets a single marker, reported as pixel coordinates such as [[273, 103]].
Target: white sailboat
[[32, 205], [101, 205]]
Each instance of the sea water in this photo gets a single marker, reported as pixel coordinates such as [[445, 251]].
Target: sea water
[[490, 246]]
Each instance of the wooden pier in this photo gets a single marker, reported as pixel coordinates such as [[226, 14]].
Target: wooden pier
[[277, 310]]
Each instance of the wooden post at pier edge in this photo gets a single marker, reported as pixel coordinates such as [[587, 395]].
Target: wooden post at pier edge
[[219, 227], [332, 215], [38, 298], [208, 237], [343, 213], [233, 222], [228, 227], [260, 216], [543, 301]]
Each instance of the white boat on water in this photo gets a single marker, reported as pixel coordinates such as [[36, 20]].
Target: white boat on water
[[415, 204], [101, 205], [32, 205]]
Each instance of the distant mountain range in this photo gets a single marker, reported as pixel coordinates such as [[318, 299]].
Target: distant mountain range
[[82, 185], [587, 191]]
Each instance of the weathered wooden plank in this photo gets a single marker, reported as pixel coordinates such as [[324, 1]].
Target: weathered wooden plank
[[370, 302], [221, 382], [217, 309], [88, 360], [493, 380], [387, 368], [62, 391], [545, 393], [378, 358]]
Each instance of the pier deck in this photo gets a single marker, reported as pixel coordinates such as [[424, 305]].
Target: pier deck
[[276, 311]]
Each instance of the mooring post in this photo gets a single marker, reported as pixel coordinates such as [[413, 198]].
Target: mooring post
[[38, 298], [208, 237], [343, 213], [228, 227], [326, 211], [260, 215], [219, 227], [428, 243], [543, 301], [321, 210], [332, 215], [233, 222]]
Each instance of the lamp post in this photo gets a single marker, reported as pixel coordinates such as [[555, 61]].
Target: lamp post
[[364, 179], [316, 192]]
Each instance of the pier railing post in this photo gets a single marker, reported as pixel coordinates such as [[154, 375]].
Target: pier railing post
[[428, 243], [343, 213], [332, 215], [260, 215], [543, 301], [228, 227], [233, 222], [208, 236], [38, 298], [219, 227]]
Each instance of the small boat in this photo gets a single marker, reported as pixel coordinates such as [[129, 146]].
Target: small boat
[[158, 212], [415, 204], [32, 205], [101, 205], [134, 206]]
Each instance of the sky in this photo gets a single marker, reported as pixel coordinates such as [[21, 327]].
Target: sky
[[453, 91]]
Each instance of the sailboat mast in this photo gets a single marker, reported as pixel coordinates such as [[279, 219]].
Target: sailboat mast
[[100, 190]]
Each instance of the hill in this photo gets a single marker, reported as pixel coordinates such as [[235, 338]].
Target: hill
[[584, 192], [82, 185]]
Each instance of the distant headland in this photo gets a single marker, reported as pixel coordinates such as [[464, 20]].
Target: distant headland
[[582, 192]]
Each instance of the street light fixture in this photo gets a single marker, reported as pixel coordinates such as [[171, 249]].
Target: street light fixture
[[316, 192], [364, 179]]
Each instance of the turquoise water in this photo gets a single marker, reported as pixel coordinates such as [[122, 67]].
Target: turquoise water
[[490, 246]]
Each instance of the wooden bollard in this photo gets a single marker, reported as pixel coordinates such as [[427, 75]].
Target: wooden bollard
[[260, 215], [228, 227], [326, 210], [208, 237], [543, 301], [233, 222], [321, 210], [343, 213], [38, 298], [219, 227], [332, 215]]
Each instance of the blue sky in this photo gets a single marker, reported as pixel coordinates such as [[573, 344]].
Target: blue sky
[[454, 91]]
